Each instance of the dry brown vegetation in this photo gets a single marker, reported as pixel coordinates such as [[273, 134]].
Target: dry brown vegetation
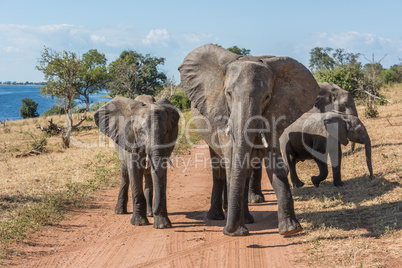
[[355, 225], [359, 224]]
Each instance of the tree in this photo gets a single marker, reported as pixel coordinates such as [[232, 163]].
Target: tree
[[28, 108], [133, 74], [337, 67], [93, 75], [239, 51], [62, 73]]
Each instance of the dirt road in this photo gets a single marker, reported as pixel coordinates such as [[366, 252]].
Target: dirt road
[[99, 238]]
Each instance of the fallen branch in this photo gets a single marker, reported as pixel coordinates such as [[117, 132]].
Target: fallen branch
[[80, 122], [3, 123], [37, 150], [52, 128], [372, 95]]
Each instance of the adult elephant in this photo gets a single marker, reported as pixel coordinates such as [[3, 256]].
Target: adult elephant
[[144, 132], [237, 103], [317, 135]]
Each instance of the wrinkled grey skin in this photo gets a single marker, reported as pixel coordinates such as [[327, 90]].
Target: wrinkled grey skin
[[226, 90], [144, 132], [317, 135]]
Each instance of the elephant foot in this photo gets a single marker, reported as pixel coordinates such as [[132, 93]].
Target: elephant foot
[[138, 220], [241, 231], [120, 209], [316, 181], [162, 222], [338, 183], [248, 218], [289, 226], [215, 214], [149, 212], [298, 184], [255, 197]]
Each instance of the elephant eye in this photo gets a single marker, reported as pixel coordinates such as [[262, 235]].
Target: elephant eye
[[268, 97], [229, 93]]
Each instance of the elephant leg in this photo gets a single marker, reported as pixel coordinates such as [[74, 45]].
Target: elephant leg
[[248, 218], [254, 190], [336, 159], [139, 203], [218, 189], [276, 169], [323, 168], [148, 192], [122, 199], [225, 193], [293, 174]]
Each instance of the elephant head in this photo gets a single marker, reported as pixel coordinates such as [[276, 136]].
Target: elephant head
[[145, 127], [349, 128], [238, 93], [332, 97]]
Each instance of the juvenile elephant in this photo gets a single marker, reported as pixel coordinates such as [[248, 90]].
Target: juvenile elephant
[[317, 135], [144, 132], [238, 103], [332, 97]]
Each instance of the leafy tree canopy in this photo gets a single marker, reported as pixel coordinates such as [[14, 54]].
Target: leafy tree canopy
[[134, 74], [239, 51]]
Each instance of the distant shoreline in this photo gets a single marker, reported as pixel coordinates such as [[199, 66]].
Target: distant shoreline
[[20, 85]]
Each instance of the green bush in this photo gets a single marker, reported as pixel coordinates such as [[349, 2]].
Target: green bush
[[181, 101], [344, 76], [79, 110], [94, 107], [28, 108], [54, 110]]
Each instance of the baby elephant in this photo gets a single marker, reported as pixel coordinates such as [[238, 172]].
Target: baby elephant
[[144, 132], [317, 135]]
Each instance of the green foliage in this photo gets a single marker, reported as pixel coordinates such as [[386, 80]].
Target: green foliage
[[347, 77], [382, 101], [61, 70], [392, 75], [93, 75], [181, 101], [54, 110], [135, 74], [28, 108], [97, 105], [239, 51]]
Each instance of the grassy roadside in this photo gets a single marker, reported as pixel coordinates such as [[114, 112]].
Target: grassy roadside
[[359, 224], [37, 191]]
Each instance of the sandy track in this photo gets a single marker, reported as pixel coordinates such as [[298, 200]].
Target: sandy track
[[99, 238]]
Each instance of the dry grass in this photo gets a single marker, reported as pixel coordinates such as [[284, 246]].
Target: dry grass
[[37, 190], [359, 224]]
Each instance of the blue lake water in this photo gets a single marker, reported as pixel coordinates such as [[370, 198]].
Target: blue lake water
[[11, 96]]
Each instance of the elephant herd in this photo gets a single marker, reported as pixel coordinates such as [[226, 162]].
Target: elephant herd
[[254, 113]]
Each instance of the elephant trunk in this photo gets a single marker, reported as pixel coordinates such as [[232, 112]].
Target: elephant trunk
[[158, 167], [368, 156], [240, 164]]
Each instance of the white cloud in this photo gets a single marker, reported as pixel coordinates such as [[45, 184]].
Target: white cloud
[[158, 37]]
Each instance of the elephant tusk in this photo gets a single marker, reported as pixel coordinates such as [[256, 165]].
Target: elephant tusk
[[264, 140], [227, 130], [170, 162]]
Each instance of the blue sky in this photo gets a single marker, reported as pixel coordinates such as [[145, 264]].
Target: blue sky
[[171, 29]]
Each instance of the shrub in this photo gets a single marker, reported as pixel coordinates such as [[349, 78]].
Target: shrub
[[181, 101], [28, 108], [94, 107], [54, 110]]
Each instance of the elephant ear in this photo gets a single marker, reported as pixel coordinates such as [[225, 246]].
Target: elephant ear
[[173, 117], [294, 92], [202, 78], [115, 119], [336, 128]]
